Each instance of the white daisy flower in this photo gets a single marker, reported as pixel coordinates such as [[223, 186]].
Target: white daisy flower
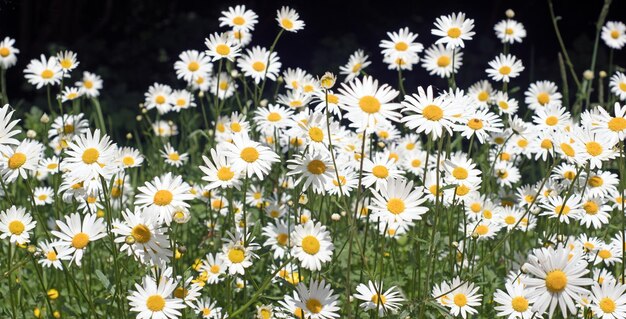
[[312, 245], [505, 67], [441, 61], [8, 53], [258, 63], [453, 30], [373, 297], [238, 18], [152, 299], [614, 34], [248, 156], [289, 19], [77, 234], [166, 195], [317, 301], [16, 224], [44, 72], [510, 31]]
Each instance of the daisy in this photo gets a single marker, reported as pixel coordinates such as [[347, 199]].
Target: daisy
[[159, 97], [224, 87], [504, 67], [8, 53], [618, 85], [542, 94], [294, 99], [315, 168], [68, 126], [236, 256], [441, 61], [128, 157], [289, 19], [483, 229], [434, 114], [374, 299], [191, 64], [207, 308], [294, 78], [357, 62], [608, 254], [259, 64], [16, 224], [514, 302], [173, 157], [77, 234], [479, 123], [152, 299], [379, 170], [594, 147], [278, 240], [556, 278], [506, 173], [401, 45], [398, 202], [220, 46], [317, 301], [248, 156], [464, 297], [150, 241], [67, 61], [614, 34], [44, 72], [238, 18], [43, 195], [53, 254], [608, 300], [614, 126], [17, 162], [510, 31], [312, 245], [6, 127], [90, 156], [453, 29], [558, 207], [214, 267], [551, 117], [90, 85], [166, 195], [596, 212], [219, 173], [505, 104], [273, 117], [367, 103], [70, 94]]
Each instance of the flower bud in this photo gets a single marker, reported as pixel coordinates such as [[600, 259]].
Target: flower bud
[[129, 136], [263, 102], [602, 74], [31, 134], [588, 75], [53, 294], [44, 119], [328, 80], [335, 217], [510, 13]]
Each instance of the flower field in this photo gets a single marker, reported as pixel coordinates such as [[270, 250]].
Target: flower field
[[252, 189]]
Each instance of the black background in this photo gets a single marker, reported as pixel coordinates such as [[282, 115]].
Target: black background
[[132, 43]]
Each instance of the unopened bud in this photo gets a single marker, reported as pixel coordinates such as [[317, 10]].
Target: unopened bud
[[510, 13], [31, 134], [263, 102], [588, 75], [602, 74], [130, 240], [335, 217], [129, 136], [234, 73], [182, 249], [44, 119], [139, 118], [53, 294], [144, 111], [328, 80], [201, 94], [280, 79]]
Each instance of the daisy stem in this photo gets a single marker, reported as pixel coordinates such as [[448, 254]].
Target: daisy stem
[[564, 80], [202, 107], [401, 81], [562, 45], [269, 58], [621, 188], [217, 90], [109, 213], [3, 84], [40, 279], [101, 125], [10, 278]]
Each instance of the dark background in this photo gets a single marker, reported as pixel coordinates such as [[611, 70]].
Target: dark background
[[133, 43]]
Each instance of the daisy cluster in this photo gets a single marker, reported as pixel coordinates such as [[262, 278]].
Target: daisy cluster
[[289, 195]]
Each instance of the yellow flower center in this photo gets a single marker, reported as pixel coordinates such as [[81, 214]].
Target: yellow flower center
[[51, 255], [519, 304], [443, 61], [286, 23], [556, 281], [236, 255], [460, 173], [128, 161], [475, 124], [604, 254], [314, 305], [342, 180], [193, 66], [47, 74], [615, 34], [174, 156], [568, 149], [87, 84], [249, 154], [369, 104], [617, 124], [225, 173], [380, 171], [4, 52], [333, 99], [462, 190], [546, 144], [543, 98], [622, 86], [16, 227], [222, 49], [141, 233], [281, 239], [595, 181], [163, 197], [432, 112], [316, 167], [379, 299], [476, 207], [155, 303], [552, 120], [508, 31], [395, 206], [258, 66], [316, 134], [503, 105], [52, 166], [180, 292], [509, 220], [215, 269], [416, 163], [239, 20], [90, 155], [66, 63], [482, 230], [80, 240], [505, 70], [460, 300], [274, 117], [569, 175], [235, 127], [401, 46], [310, 245], [607, 305], [454, 32], [16, 160], [591, 207], [483, 96], [593, 148], [563, 210]]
